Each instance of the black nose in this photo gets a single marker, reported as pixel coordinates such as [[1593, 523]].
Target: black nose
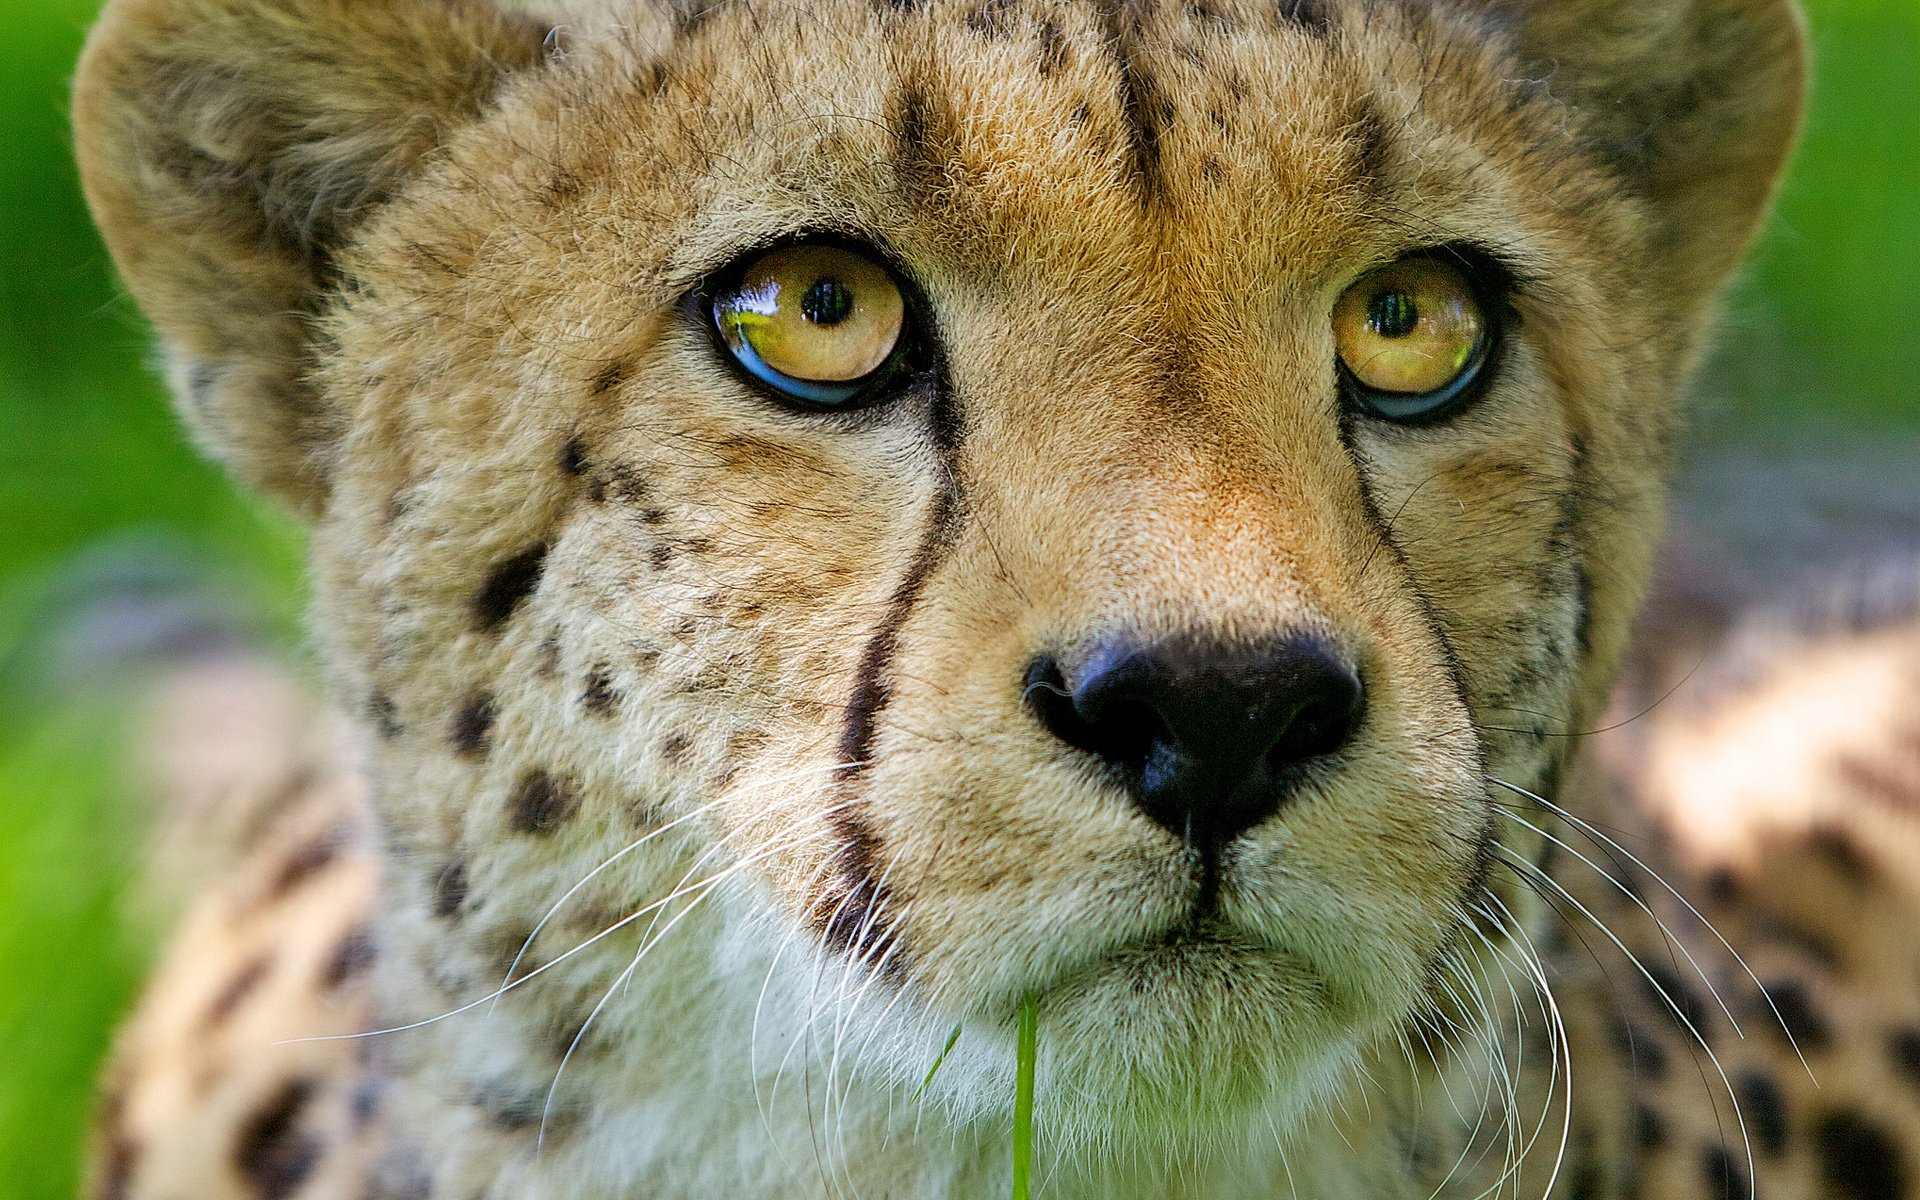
[[1209, 735]]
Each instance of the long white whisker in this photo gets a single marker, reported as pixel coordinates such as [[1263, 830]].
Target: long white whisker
[[530, 976], [1520, 864], [630, 847], [1594, 832], [1642, 905]]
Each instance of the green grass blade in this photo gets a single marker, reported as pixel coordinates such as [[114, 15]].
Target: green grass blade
[[1023, 1098], [935, 1068]]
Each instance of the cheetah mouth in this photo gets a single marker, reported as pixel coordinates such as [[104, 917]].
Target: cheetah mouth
[[1195, 954]]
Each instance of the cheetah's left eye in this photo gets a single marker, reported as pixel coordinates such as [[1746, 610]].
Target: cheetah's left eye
[[1412, 337], [821, 325]]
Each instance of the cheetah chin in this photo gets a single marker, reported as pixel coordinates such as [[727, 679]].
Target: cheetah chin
[[837, 524]]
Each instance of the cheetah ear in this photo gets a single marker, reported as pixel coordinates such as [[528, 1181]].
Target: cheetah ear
[[1697, 101], [229, 147]]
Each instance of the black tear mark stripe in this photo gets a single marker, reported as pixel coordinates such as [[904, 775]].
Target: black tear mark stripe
[[1480, 874], [857, 922], [1309, 15], [873, 684]]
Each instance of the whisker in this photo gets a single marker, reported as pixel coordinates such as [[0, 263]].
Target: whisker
[[1594, 832], [1520, 864], [630, 847], [1672, 938], [530, 976]]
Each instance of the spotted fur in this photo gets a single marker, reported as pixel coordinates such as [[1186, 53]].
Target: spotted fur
[[699, 721]]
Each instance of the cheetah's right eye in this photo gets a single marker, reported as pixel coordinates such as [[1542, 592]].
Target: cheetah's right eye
[[820, 325]]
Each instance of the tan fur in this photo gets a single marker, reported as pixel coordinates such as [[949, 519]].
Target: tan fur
[[751, 678]]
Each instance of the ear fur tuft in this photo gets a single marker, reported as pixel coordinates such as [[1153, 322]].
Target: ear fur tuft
[[228, 147], [1697, 103]]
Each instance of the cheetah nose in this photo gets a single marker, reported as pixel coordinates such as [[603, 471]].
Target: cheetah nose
[[1210, 736]]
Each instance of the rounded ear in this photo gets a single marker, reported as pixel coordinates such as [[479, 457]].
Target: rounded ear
[[227, 149], [1696, 101]]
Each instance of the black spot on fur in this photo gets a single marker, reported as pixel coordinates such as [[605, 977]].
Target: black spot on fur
[[598, 695], [1858, 1159], [1725, 1177], [364, 1102], [1723, 886], [622, 482], [1840, 852], [546, 659], [381, 712], [993, 19], [273, 1153], [1903, 1047], [542, 803], [1802, 1020], [449, 889], [1053, 47], [244, 983], [303, 863], [509, 583], [1145, 113], [1310, 15], [917, 160], [472, 729], [1648, 1130], [660, 555], [610, 377], [690, 15], [573, 455], [1667, 992], [514, 1113], [1765, 1110], [350, 957], [674, 748]]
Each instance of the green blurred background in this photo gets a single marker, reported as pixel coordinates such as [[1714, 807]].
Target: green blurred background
[[99, 496]]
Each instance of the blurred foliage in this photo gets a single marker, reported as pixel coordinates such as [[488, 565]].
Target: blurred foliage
[[1821, 325]]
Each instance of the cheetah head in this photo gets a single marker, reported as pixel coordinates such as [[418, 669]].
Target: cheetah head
[[999, 499]]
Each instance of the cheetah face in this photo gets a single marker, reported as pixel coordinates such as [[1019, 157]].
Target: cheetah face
[[1044, 501]]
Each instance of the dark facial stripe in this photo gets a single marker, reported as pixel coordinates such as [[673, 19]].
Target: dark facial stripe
[[1480, 875], [873, 687], [856, 921]]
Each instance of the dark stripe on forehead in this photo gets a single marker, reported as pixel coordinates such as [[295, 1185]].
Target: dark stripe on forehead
[[1144, 113], [1310, 15]]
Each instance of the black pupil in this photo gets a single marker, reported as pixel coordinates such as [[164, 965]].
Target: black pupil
[[827, 302], [1392, 314]]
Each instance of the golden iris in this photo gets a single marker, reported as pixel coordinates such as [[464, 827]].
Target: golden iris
[[1413, 328], [816, 322]]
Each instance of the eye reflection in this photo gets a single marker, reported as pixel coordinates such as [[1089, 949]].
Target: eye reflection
[[817, 323]]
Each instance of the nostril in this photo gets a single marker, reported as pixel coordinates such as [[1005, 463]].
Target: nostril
[[1120, 730], [1045, 691], [1327, 714]]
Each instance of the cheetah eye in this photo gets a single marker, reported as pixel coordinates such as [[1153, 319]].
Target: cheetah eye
[[1412, 338], [820, 325]]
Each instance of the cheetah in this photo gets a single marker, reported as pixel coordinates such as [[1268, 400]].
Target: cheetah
[[843, 529]]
